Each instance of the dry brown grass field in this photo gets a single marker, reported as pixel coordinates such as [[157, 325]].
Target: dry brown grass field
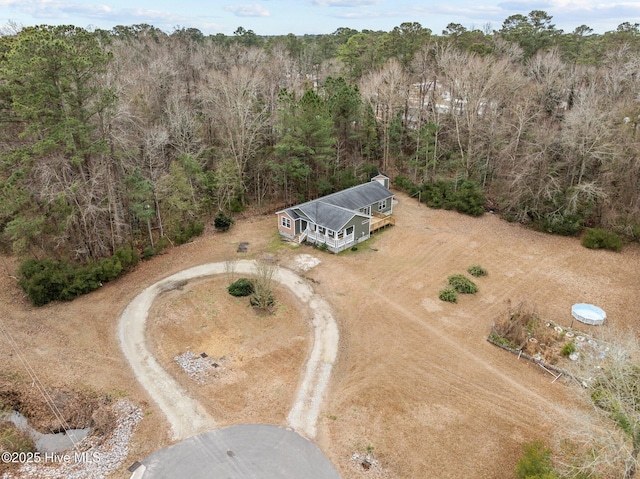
[[415, 382]]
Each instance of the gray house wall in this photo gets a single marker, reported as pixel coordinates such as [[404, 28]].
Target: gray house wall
[[386, 210], [361, 228]]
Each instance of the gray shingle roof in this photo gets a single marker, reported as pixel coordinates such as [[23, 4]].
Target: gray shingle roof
[[327, 215], [335, 210], [358, 196]]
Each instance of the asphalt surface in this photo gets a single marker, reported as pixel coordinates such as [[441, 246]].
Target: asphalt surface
[[244, 451]]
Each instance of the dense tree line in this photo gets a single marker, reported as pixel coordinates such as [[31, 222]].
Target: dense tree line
[[134, 137]]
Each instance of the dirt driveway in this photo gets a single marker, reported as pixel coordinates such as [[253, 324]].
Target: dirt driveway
[[415, 380], [186, 415]]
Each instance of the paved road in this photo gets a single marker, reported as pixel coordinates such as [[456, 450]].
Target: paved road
[[245, 451]]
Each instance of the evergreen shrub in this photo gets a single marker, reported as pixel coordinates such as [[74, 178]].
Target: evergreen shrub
[[535, 462], [598, 238], [462, 284], [448, 294], [223, 222], [241, 287], [561, 224], [477, 271], [185, 233], [46, 280], [462, 196]]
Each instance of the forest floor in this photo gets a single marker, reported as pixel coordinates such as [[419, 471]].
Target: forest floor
[[415, 384]]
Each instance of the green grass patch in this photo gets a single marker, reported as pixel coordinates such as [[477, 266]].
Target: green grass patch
[[568, 349], [14, 440]]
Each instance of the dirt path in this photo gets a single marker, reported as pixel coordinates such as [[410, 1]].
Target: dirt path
[[186, 416]]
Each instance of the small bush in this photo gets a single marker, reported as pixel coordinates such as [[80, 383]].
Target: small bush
[[82, 281], [598, 238], [108, 269], [46, 280], [223, 221], [150, 251], [560, 224], [468, 199], [403, 183], [182, 233], [127, 256], [448, 294], [264, 300], [500, 341], [241, 287], [568, 349], [321, 246], [535, 462], [477, 271], [463, 196], [236, 205], [462, 284]]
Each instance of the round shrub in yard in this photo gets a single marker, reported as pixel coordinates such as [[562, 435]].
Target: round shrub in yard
[[241, 287], [448, 294], [477, 271], [222, 222], [462, 284]]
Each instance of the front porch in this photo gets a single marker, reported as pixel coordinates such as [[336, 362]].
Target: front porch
[[334, 244]]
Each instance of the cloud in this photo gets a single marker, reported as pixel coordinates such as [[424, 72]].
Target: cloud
[[526, 7], [60, 10], [345, 3], [253, 10], [360, 15]]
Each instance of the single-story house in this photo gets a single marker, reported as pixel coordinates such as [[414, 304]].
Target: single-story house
[[340, 219]]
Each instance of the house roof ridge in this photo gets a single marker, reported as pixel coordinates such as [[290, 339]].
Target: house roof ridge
[[319, 200], [335, 197]]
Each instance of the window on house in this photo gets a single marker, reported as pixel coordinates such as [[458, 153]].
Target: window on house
[[349, 230], [321, 230], [286, 222], [382, 205]]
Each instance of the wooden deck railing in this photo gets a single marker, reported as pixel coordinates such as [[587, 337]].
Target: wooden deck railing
[[380, 221]]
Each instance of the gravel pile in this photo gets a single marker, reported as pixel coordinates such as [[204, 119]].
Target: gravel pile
[[197, 368], [366, 466], [305, 262], [95, 457]]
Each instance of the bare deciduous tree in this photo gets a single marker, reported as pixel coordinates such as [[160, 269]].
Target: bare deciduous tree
[[607, 442], [388, 92], [262, 296]]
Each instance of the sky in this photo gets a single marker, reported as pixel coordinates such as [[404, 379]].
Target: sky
[[281, 17]]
